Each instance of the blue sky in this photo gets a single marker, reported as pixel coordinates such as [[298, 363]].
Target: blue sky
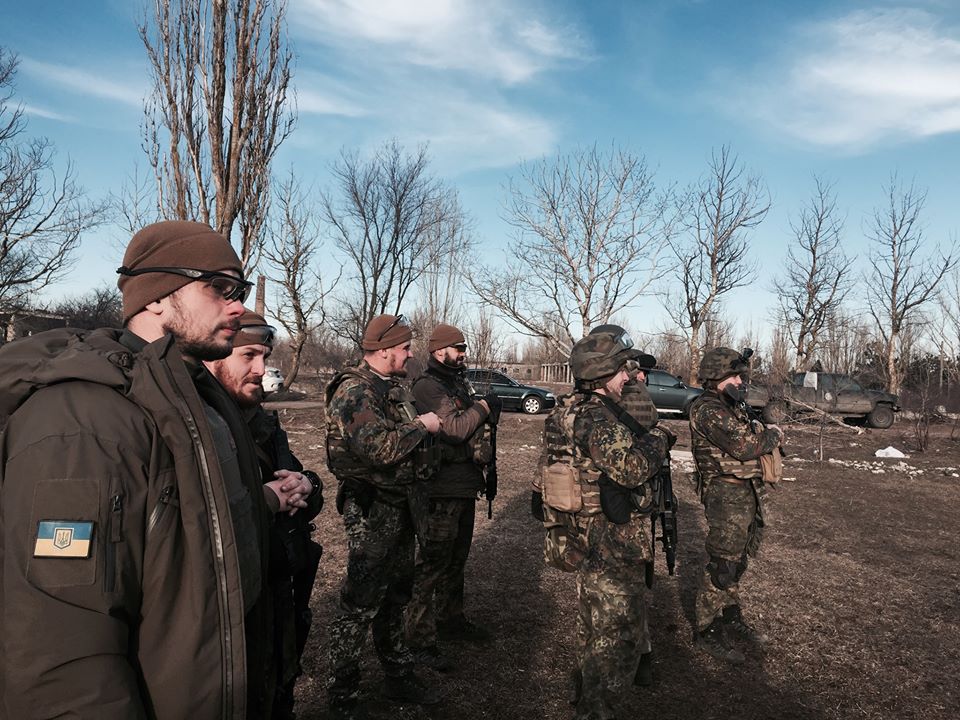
[[851, 91]]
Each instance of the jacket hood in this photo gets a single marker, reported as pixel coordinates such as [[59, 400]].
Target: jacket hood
[[61, 355]]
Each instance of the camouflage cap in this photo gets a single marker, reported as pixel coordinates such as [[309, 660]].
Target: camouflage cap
[[599, 355], [720, 363]]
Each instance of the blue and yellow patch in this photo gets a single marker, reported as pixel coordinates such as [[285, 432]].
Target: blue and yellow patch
[[63, 539]]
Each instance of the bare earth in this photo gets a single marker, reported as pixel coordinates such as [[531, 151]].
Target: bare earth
[[857, 584]]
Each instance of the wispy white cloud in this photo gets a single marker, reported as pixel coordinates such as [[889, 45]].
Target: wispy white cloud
[[84, 82], [498, 39], [46, 114], [860, 79], [437, 71]]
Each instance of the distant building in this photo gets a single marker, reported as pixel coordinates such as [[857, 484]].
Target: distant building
[[22, 323]]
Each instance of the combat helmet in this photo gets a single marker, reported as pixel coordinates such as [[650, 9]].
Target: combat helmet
[[599, 355], [722, 362]]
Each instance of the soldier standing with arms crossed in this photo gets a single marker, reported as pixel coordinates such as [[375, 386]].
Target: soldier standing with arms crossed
[[375, 447], [613, 464], [464, 444], [728, 449]]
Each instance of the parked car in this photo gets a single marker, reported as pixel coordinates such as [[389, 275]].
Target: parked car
[[515, 396], [669, 393], [272, 380], [834, 393]]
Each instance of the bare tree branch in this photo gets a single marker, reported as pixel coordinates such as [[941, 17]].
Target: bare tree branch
[[589, 237]]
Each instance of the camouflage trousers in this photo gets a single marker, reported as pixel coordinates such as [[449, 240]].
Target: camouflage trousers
[[735, 531], [438, 584], [612, 630], [377, 587]]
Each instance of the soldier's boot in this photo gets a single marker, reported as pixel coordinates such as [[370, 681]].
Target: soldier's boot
[[644, 676], [462, 629], [713, 641], [409, 688], [733, 622], [576, 686], [431, 657]]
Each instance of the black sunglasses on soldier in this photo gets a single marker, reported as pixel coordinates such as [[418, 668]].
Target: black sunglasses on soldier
[[228, 286]]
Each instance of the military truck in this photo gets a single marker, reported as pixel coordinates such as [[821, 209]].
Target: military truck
[[834, 393]]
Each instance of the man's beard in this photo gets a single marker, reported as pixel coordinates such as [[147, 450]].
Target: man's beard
[[455, 362], [200, 348], [235, 385]]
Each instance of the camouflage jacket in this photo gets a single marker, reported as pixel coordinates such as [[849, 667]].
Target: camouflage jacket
[[725, 443], [372, 430]]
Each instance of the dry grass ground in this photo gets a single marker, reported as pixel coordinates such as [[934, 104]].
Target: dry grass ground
[[857, 583]]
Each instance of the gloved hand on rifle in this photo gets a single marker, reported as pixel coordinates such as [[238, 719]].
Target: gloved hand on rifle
[[665, 433], [495, 404]]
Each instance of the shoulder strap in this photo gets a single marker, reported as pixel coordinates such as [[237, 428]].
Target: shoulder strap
[[621, 414]]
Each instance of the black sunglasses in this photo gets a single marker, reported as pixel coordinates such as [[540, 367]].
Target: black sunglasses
[[229, 287], [262, 334], [398, 320]]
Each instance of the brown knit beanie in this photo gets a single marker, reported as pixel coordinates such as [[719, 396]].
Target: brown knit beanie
[[171, 243], [254, 330], [378, 337], [445, 336]]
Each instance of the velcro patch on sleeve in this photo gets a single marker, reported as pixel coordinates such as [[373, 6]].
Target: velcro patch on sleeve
[[63, 539]]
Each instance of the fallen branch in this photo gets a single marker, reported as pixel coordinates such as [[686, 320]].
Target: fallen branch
[[822, 415]]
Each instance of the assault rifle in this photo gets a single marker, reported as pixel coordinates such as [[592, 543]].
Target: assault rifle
[[667, 513], [490, 491]]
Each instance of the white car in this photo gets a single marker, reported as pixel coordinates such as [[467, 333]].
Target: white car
[[272, 380]]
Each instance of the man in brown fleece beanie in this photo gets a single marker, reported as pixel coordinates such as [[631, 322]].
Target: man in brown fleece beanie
[[294, 494], [135, 526]]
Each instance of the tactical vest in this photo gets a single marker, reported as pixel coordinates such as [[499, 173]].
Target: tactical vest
[[635, 399], [477, 448], [568, 479], [712, 462], [398, 407]]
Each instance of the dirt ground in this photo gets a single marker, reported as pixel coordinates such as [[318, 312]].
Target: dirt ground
[[857, 583]]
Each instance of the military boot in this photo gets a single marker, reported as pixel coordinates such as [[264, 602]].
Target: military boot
[[733, 622], [713, 641], [410, 689], [431, 657], [644, 676], [462, 629]]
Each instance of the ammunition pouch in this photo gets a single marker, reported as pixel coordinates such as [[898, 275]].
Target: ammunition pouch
[[363, 493], [619, 503], [565, 546], [536, 505]]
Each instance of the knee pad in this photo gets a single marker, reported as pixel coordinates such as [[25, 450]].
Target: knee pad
[[724, 573]]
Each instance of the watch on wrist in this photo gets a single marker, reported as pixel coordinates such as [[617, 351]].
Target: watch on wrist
[[315, 481]]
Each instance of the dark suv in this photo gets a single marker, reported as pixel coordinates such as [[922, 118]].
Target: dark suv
[[515, 396], [669, 394]]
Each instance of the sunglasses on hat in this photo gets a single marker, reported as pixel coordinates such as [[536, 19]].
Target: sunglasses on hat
[[229, 287], [261, 334], [398, 320]]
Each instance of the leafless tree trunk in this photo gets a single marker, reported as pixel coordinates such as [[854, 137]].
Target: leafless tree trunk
[[291, 250], [448, 251], [901, 280], [390, 218], [589, 237], [712, 251], [816, 278], [42, 216], [218, 110]]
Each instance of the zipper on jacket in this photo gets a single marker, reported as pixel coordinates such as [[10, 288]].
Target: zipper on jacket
[[114, 536], [166, 499]]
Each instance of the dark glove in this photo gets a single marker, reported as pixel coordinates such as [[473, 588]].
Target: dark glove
[[662, 431], [496, 405]]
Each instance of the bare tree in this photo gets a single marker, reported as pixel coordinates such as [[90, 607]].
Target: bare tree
[[902, 280], [589, 236], [294, 241], [42, 214], [484, 343], [448, 248], [218, 110], [817, 273], [712, 252], [389, 218], [100, 307]]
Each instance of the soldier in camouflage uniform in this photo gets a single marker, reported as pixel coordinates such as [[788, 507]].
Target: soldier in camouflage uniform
[[376, 448], [464, 444], [636, 400], [615, 464], [727, 447]]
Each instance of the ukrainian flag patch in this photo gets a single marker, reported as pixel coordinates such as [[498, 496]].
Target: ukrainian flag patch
[[63, 539]]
